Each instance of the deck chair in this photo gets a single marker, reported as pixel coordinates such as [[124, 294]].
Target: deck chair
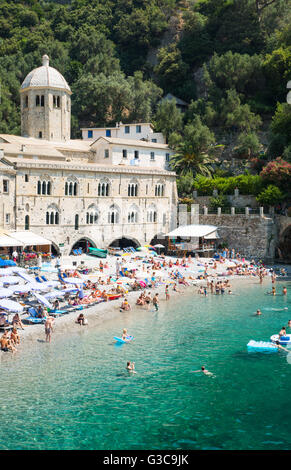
[[44, 278], [33, 316], [37, 278], [61, 279], [75, 252]]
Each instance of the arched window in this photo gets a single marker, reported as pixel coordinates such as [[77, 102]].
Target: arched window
[[44, 186], [113, 215], [26, 222], [58, 102], [159, 189], [132, 189], [103, 188], [52, 216], [42, 100], [77, 222], [152, 215], [71, 187], [37, 100]]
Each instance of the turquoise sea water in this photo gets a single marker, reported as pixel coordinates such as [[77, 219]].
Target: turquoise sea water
[[76, 394]]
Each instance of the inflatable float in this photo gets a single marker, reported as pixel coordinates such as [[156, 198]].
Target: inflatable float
[[261, 346], [283, 340], [120, 340]]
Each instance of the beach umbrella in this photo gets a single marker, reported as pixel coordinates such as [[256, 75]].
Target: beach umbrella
[[51, 283], [159, 246], [11, 305], [6, 271], [16, 269], [6, 292], [56, 293], [22, 288], [37, 286], [9, 280], [73, 280], [43, 300], [25, 276]]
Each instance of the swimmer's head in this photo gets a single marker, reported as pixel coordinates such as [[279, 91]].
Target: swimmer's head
[[202, 368], [277, 342]]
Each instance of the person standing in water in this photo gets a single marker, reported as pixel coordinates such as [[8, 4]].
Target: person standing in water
[[48, 327], [167, 292], [156, 302]]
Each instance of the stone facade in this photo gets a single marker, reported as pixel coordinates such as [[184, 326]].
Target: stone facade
[[68, 190], [251, 235]]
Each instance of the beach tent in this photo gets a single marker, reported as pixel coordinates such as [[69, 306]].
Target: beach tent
[[11, 305]]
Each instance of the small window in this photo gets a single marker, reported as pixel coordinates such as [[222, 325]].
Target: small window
[[7, 218], [26, 178], [124, 153], [136, 154], [37, 100], [90, 134], [58, 102], [167, 157], [127, 130], [108, 133], [154, 141], [5, 186], [40, 135], [42, 100], [76, 222], [26, 222], [106, 153], [138, 129], [152, 155]]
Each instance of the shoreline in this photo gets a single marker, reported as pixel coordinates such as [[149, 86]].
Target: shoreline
[[65, 325]]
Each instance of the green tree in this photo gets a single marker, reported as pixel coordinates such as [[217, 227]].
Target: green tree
[[168, 118], [194, 154]]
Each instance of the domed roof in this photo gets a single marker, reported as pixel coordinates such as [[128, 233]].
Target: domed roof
[[45, 76]]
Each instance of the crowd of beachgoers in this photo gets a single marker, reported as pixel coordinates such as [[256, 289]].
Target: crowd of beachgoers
[[44, 294]]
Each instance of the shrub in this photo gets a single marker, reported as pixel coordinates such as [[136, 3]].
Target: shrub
[[279, 172], [270, 196], [219, 201]]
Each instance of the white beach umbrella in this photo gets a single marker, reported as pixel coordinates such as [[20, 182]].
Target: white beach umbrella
[[73, 280], [11, 305], [56, 293], [38, 286], [43, 300], [22, 288], [10, 280], [6, 292], [6, 271], [26, 277]]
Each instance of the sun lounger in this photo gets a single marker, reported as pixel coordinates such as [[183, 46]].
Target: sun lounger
[[37, 278], [44, 278], [33, 316]]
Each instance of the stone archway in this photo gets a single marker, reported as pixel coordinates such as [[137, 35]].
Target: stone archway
[[84, 243], [124, 242]]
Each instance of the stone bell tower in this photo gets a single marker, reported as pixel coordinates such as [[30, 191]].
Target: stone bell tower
[[45, 98]]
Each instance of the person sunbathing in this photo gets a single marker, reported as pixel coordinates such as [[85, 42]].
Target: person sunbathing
[[17, 322], [104, 295], [6, 344]]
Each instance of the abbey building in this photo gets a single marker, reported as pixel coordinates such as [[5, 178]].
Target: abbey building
[[112, 184]]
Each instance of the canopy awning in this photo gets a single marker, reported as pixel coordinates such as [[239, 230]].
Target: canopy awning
[[29, 238], [212, 236], [192, 231], [5, 240]]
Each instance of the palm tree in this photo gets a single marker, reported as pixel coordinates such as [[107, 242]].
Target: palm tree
[[194, 154], [188, 160]]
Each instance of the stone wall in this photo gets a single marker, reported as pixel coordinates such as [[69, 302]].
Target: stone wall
[[253, 236]]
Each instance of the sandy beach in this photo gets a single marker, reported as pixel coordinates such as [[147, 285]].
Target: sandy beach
[[66, 324]]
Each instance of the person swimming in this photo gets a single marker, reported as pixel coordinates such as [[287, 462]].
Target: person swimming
[[205, 371], [130, 367]]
